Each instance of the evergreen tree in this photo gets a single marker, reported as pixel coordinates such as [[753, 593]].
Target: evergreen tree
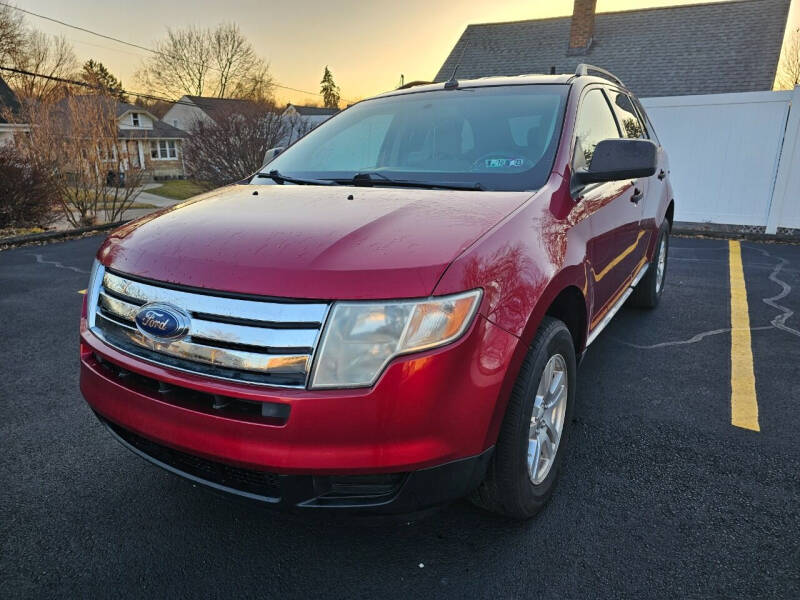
[[96, 74], [329, 90]]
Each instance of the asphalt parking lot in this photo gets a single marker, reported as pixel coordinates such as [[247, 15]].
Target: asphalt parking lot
[[662, 495]]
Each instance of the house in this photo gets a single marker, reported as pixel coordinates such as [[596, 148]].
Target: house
[[9, 110], [313, 115], [151, 143], [143, 141], [709, 48], [188, 111], [302, 119]]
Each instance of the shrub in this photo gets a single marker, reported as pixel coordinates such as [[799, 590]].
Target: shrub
[[232, 147], [26, 192]]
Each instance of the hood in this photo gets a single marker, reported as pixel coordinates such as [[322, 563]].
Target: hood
[[316, 242]]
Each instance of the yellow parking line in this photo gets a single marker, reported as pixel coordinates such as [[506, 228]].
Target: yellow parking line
[[744, 404]]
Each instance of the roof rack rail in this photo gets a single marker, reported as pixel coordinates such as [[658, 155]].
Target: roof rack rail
[[584, 68]]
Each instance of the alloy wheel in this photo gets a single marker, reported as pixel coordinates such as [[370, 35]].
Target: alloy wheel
[[661, 264], [547, 419]]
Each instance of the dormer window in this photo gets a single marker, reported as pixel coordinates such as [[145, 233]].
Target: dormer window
[[135, 119]]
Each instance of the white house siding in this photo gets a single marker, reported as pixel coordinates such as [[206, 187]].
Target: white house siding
[[726, 152], [7, 132], [300, 123], [126, 121], [185, 115]]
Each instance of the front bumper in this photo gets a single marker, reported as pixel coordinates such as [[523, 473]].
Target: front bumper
[[388, 494], [431, 420]]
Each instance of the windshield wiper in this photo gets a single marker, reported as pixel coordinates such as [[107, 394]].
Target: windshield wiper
[[368, 179], [281, 179]]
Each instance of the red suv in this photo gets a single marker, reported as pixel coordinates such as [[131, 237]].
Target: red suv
[[390, 315]]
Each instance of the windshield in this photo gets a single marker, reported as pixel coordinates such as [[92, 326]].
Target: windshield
[[497, 138]]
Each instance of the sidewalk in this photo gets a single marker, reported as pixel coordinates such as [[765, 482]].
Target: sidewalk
[[144, 197]]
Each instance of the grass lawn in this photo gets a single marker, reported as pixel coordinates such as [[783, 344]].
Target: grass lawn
[[134, 205], [14, 231], [178, 189]]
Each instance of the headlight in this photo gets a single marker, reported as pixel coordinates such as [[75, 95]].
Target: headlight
[[360, 338]]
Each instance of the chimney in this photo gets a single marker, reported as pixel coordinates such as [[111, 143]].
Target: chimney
[[582, 29]]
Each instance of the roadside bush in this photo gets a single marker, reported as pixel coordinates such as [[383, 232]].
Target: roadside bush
[[233, 146], [26, 192]]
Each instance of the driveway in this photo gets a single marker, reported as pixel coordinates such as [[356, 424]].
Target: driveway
[[662, 496]]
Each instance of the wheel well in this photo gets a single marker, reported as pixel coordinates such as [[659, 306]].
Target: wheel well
[[570, 307], [670, 213]]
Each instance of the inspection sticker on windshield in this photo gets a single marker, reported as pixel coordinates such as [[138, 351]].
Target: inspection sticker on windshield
[[502, 163]]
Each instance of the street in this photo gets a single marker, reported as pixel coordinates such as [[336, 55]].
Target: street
[[661, 496]]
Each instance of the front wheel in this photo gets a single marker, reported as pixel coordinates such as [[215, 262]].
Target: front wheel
[[530, 447], [647, 292]]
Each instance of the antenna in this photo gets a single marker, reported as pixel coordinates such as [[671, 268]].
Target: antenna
[[452, 83]]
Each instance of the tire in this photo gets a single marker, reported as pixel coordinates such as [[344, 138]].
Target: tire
[[647, 292], [509, 488]]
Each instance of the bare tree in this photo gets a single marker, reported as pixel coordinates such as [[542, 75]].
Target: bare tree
[[77, 139], [156, 107], [12, 33], [181, 65], [789, 71], [201, 62], [233, 147], [47, 55], [241, 73]]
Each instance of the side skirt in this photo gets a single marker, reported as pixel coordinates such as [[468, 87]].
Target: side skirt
[[617, 305]]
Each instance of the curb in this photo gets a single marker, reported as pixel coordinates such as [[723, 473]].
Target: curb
[[49, 236], [750, 236]]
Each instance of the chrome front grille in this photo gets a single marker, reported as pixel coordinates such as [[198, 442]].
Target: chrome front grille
[[250, 340]]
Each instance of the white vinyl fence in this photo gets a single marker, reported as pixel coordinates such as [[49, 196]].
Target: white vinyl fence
[[735, 158]]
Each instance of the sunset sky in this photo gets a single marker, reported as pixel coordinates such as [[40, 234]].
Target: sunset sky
[[367, 45]]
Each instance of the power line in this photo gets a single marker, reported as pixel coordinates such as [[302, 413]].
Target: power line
[[90, 86], [138, 46]]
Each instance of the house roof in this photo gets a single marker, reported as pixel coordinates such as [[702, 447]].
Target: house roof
[[125, 107], [8, 100], [696, 49], [160, 128], [313, 111], [220, 107]]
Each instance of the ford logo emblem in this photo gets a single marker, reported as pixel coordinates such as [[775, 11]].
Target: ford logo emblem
[[162, 322]]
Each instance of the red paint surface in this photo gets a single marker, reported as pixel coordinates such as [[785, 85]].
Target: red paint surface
[[426, 409], [522, 249]]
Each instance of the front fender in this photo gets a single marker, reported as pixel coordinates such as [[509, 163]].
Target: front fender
[[522, 265]]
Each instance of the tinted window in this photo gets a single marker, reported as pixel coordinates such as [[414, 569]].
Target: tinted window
[[503, 138], [629, 120], [353, 147], [594, 124]]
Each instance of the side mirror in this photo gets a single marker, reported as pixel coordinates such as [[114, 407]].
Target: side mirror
[[617, 159]]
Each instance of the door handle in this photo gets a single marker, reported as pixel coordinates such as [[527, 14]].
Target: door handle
[[662, 174], [637, 195]]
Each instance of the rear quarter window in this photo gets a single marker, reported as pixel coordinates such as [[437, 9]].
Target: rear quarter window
[[629, 120]]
